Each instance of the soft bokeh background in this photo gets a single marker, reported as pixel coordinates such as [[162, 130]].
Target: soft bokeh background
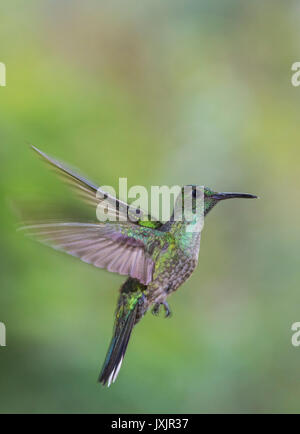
[[161, 92]]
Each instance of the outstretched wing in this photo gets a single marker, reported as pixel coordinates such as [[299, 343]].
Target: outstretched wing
[[93, 195], [120, 248]]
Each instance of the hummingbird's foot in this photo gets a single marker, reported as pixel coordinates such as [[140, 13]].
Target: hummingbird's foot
[[168, 312], [156, 309]]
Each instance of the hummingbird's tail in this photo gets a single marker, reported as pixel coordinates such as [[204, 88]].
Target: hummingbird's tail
[[125, 319]]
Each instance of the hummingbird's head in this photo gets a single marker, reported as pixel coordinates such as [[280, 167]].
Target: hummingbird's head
[[200, 195]]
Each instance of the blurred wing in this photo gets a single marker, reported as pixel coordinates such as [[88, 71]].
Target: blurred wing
[[106, 246], [92, 194]]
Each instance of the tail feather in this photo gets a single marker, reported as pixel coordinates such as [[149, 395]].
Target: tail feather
[[117, 348]]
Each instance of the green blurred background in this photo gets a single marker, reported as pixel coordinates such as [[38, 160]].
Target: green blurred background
[[162, 92]]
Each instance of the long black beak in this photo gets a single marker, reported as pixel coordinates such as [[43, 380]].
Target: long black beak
[[222, 196]]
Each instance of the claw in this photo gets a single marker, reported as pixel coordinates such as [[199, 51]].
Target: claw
[[156, 309], [167, 309]]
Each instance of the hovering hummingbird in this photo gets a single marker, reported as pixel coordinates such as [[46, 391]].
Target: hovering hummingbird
[[157, 257]]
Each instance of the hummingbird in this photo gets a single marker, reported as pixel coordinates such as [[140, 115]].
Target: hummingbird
[[157, 257]]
